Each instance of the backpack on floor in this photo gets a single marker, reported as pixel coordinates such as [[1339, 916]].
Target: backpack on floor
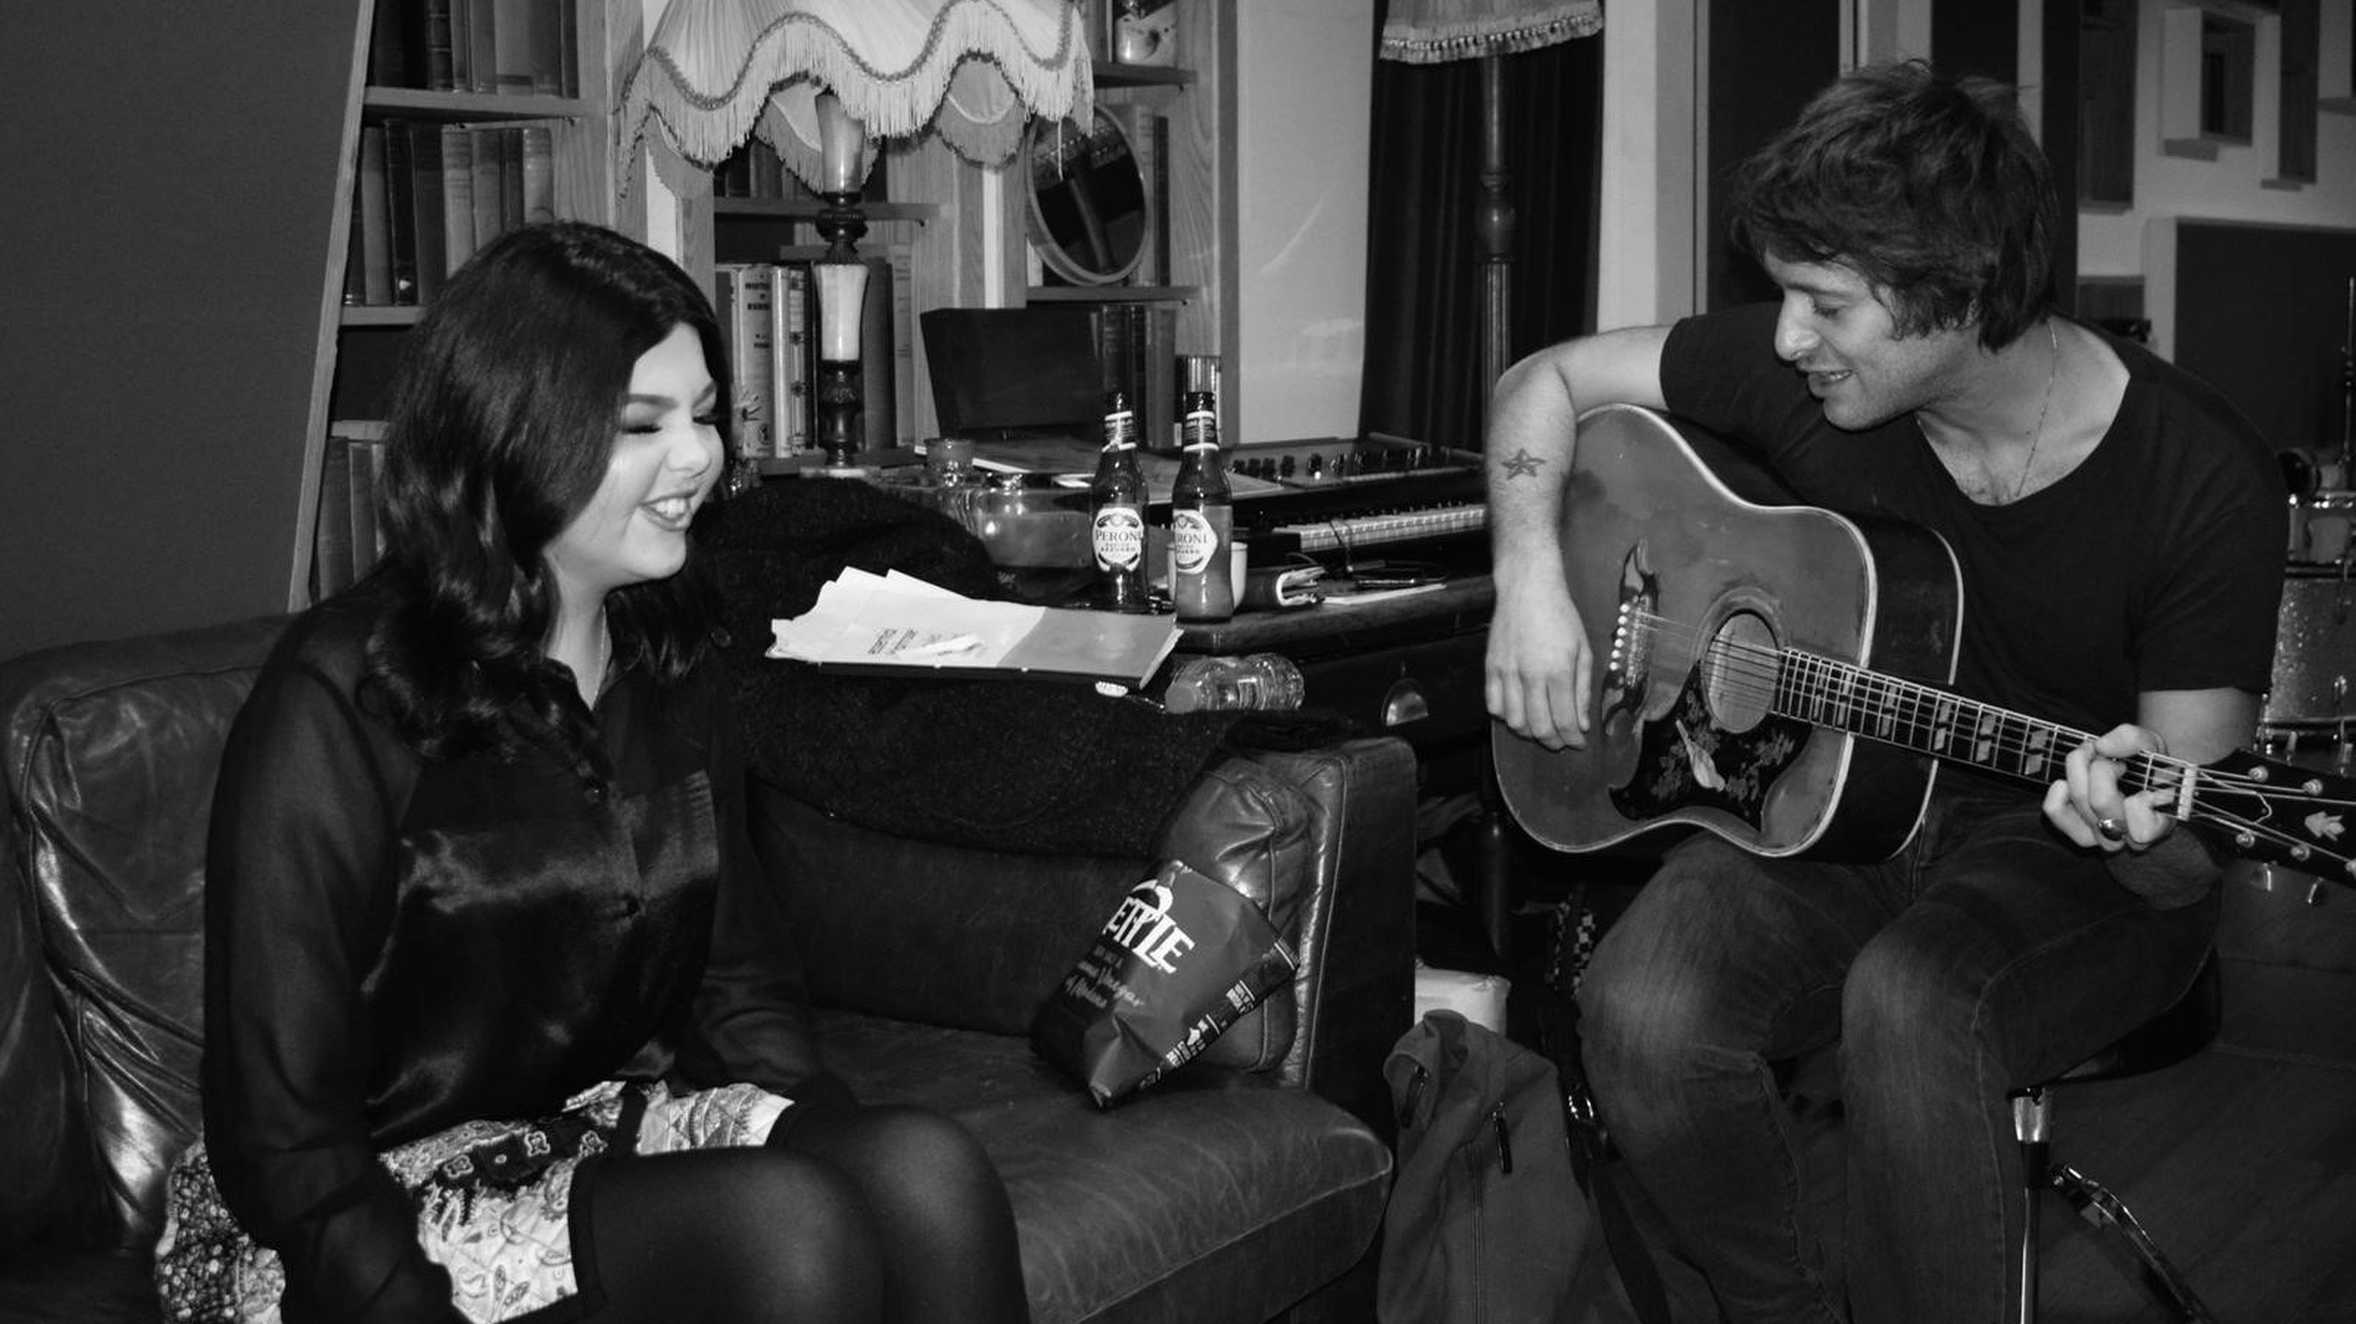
[[1487, 1222]]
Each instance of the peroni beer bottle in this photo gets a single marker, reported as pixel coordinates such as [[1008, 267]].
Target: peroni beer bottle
[[1116, 512], [1202, 520]]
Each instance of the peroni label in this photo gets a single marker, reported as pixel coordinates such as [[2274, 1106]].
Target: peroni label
[[1193, 541], [1118, 537]]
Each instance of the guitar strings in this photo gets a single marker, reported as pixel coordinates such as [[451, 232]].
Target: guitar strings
[[1758, 673]]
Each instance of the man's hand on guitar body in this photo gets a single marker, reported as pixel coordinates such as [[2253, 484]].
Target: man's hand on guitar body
[[1541, 672], [1541, 663]]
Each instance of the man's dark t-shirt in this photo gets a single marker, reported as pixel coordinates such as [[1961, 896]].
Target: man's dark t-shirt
[[2155, 565]]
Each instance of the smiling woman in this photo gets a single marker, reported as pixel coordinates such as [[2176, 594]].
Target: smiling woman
[[664, 462], [481, 898]]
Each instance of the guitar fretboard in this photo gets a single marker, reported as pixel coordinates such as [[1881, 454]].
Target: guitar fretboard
[[1829, 693]]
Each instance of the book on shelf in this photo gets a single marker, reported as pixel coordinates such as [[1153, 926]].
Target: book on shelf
[[458, 233], [462, 45], [568, 58], [347, 540], [331, 535], [900, 255], [538, 173], [400, 179], [1149, 145], [898, 624], [429, 218], [395, 44], [489, 190], [482, 45], [372, 220], [790, 349], [435, 41], [744, 297]]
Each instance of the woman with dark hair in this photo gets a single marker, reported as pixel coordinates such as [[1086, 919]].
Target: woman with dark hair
[[502, 1017], [2118, 533]]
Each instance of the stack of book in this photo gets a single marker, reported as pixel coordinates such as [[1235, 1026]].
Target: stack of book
[[430, 192], [769, 318], [346, 543], [517, 47], [428, 195]]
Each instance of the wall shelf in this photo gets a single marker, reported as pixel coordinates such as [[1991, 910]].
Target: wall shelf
[[466, 107], [799, 209], [380, 315], [1113, 293], [1108, 74]]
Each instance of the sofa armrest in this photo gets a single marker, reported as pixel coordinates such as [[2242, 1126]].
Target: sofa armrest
[[109, 752], [1356, 986], [977, 939]]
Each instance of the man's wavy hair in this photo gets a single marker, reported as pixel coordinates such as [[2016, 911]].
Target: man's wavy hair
[[504, 415], [1930, 187]]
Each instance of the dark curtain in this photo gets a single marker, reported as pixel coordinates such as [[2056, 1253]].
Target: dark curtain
[[1423, 278]]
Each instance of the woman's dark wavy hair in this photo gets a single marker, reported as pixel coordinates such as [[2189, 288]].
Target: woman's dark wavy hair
[[504, 415], [1930, 187]]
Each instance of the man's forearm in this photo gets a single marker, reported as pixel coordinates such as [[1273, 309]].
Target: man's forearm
[[1529, 449]]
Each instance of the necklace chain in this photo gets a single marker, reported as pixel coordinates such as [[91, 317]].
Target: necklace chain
[[2020, 485]]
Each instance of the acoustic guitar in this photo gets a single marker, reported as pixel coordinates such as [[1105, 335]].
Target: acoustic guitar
[[1778, 675]]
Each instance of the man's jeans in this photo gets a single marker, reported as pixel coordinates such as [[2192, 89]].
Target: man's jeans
[[1989, 954]]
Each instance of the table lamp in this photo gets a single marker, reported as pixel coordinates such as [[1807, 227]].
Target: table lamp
[[821, 81]]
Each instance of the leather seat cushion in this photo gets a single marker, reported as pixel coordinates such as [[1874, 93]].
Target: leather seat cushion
[[1140, 1211], [1135, 1214]]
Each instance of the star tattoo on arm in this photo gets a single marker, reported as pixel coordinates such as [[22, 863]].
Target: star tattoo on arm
[[1522, 464]]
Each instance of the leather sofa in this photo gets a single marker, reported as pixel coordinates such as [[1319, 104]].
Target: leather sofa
[[1231, 1190]]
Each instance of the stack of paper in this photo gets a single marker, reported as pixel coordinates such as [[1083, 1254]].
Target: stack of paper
[[899, 623]]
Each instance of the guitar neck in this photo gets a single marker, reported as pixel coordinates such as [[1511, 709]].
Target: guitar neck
[[1829, 693]]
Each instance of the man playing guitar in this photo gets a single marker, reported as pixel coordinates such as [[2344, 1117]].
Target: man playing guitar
[[2118, 530]]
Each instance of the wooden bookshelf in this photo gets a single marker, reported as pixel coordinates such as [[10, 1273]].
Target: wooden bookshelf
[[359, 343]]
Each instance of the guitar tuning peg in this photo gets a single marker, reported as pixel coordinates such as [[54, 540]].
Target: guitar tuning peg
[[2315, 894]]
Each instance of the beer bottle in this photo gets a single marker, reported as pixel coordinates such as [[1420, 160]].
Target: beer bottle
[[1116, 512], [1202, 520]]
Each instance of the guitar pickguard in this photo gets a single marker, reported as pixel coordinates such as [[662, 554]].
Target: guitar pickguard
[[1685, 759]]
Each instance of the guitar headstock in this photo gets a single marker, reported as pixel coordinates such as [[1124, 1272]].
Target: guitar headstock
[[2281, 813]]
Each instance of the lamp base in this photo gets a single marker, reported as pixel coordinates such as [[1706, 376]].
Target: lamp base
[[840, 425]]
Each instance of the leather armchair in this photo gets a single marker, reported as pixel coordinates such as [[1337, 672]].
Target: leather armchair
[[1246, 1187]]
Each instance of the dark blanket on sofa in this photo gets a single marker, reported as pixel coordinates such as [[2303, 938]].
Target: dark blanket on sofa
[[1034, 766]]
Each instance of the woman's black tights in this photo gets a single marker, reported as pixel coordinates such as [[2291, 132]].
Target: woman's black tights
[[885, 1214]]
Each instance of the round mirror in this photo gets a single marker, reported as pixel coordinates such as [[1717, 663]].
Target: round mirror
[[1087, 204]]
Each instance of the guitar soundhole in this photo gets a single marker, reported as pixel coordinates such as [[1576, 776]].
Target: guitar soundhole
[[1738, 671]]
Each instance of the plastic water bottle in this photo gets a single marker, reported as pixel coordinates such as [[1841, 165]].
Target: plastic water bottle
[[1255, 680]]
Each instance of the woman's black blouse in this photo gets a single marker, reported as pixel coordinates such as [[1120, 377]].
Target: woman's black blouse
[[396, 945]]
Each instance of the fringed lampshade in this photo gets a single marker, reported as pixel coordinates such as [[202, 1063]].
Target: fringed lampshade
[[820, 81], [1437, 31], [715, 71]]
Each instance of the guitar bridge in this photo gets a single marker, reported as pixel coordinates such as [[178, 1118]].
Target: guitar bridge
[[1630, 662]]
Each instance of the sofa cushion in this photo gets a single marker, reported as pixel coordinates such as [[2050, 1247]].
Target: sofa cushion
[[1134, 1214]]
